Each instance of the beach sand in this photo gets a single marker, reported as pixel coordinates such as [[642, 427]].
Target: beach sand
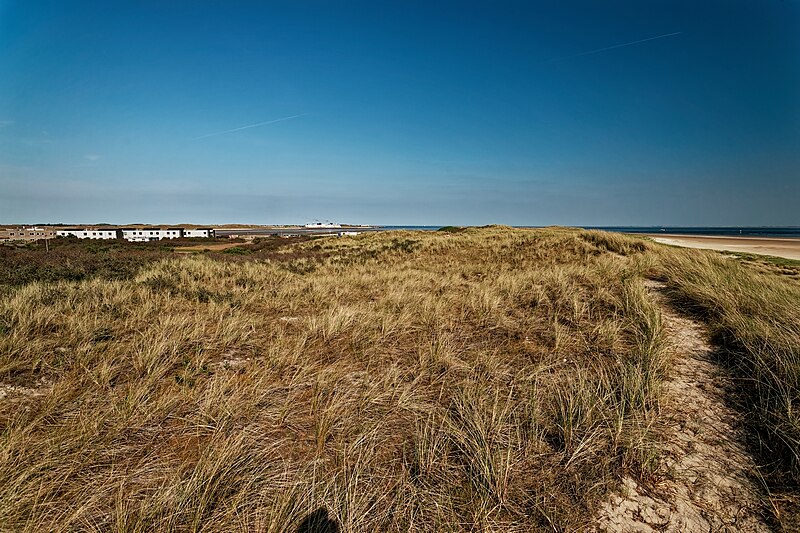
[[786, 248]]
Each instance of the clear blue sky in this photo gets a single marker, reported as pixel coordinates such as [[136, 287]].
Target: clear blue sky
[[410, 113]]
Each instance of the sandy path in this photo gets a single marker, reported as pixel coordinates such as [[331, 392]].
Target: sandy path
[[707, 487], [786, 248]]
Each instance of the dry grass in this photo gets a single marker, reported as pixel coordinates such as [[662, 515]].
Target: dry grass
[[206, 247], [755, 316], [491, 379]]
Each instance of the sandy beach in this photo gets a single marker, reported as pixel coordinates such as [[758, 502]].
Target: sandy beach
[[786, 248]]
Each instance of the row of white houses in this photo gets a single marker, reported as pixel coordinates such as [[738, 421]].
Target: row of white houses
[[136, 234]]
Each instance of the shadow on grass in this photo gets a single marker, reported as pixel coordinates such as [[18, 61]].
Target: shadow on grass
[[318, 522]]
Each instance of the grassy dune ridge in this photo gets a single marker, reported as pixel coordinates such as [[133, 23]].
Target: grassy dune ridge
[[491, 379]]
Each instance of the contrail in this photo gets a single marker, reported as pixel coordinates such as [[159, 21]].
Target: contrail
[[257, 124], [590, 52]]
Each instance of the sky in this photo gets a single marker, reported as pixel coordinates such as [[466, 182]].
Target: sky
[[405, 113]]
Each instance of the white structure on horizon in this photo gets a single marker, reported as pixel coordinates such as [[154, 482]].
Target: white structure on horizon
[[327, 224], [151, 234], [136, 234], [90, 233], [199, 233]]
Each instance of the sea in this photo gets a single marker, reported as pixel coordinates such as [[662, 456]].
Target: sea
[[792, 232], [723, 231]]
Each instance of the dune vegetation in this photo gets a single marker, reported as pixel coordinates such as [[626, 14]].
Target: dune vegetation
[[754, 315], [480, 379]]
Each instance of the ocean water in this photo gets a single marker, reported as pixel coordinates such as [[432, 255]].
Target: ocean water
[[732, 231], [726, 231]]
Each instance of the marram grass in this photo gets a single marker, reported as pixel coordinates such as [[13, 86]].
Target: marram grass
[[490, 379]]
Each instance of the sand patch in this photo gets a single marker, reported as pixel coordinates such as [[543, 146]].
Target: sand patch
[[40, 388]]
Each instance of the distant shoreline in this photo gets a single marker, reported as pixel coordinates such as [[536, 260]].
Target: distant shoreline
[[777, 232], [786, 247]]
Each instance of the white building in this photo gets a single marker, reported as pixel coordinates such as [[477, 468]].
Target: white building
[[198, 232], [90, 233], [323, 225], [151, 234], [137, 234]]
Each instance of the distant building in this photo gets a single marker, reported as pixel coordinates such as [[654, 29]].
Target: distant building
[[151, 234], [323, 225], [199, 232], [91, 233], [26, 234], [137, 234]]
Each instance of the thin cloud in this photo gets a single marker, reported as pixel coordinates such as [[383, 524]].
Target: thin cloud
[[4, 123], [91, 157], [256, 125], [613, 47]]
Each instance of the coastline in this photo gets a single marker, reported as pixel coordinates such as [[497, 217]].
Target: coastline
[[786, 248]]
